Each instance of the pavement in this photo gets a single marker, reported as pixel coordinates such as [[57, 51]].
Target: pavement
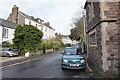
[[6, 59]]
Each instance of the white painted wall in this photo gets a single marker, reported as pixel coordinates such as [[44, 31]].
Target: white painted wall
[[10, 35], [0, 34], [66, 40], [46, 34]]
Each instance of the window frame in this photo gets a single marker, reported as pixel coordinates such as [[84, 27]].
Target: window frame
[[29, 22], [90, 34], [6, 34]]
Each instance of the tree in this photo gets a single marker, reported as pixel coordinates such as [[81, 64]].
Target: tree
[[78, 31], [26, 38], [78, 25]]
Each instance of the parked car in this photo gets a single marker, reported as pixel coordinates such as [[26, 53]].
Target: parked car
[[9, 52], [72, 59]]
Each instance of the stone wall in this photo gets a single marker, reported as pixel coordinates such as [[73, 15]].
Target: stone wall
[[119, 39], [95, 52], [96, 19], [110, 40], [104, 56], [21, 19]]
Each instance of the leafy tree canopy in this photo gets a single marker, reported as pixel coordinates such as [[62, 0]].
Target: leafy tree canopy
[[27, 37], [78, 31]]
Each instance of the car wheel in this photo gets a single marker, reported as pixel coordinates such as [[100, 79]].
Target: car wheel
[[8, 55], [63, 68], [84, 69]]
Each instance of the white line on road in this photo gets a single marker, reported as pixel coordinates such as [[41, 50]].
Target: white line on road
[[18, 63], [89, 68]]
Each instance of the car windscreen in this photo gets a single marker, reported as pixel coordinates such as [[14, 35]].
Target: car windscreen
[[70, 51], [12, 49]]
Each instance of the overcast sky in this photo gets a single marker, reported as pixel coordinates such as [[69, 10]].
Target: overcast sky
[[58, 12]]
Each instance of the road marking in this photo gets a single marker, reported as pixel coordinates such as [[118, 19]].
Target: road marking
[[18, 63], [76, 76], [89, 68]]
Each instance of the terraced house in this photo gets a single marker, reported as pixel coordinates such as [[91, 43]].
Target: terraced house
[[21, 18], [103, 34], [6, 30]]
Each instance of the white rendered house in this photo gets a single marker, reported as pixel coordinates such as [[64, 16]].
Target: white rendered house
[[21, 18], [6, 30]]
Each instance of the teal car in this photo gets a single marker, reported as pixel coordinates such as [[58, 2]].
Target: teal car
[[72, 59]]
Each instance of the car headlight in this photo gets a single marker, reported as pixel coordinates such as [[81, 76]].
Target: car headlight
[[64, 60], [82, 61]]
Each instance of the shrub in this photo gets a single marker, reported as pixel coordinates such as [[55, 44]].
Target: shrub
[[6, 44], [26, 38]]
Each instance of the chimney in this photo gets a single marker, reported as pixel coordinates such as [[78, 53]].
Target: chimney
[[47, 23], [15, 9], [13, 17]]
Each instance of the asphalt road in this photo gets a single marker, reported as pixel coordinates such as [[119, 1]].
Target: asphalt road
[[48, 66]]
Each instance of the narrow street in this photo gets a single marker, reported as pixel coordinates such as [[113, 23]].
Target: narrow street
[[48, 66]]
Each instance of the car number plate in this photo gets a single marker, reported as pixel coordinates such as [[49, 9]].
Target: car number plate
[[74, 64]]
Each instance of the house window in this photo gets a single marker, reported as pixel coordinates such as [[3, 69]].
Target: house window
[[93, 39], [45, 29], [29, 22], [41, 28], [91, 11], [49, 30], [5, 33]]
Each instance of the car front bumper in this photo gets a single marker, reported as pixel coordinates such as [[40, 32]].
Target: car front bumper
[[68, 66], [13, 54]]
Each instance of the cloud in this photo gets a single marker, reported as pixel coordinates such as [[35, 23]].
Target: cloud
[[58, 12]]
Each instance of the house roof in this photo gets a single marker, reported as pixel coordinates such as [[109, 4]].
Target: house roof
[[7, 24], [29, 17], [36, 20], [48, 26]]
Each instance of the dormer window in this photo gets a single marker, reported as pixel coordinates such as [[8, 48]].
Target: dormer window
[[39, 20]]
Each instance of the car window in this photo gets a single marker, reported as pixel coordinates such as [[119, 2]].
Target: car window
[[12, 49], [70, 51], [3, 49]]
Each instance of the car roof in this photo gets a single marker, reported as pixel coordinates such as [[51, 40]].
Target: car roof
[[70, 48]]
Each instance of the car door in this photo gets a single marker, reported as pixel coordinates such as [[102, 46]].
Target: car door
[[0, 51], [4, 52]]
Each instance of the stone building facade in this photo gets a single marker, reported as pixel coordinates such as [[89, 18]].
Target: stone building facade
[[103, 36]]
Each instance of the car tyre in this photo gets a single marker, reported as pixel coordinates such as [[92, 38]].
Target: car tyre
[[63, 68], [8, 55]]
